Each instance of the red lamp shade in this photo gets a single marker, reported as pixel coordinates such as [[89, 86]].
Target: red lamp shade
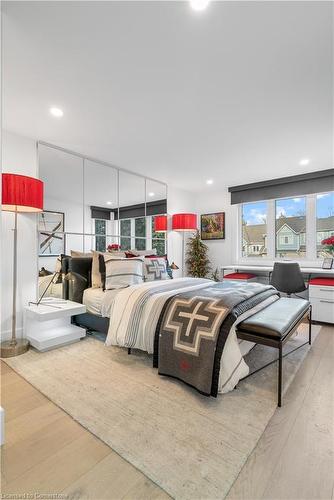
[[21, 193], [160, 224], [184, 222]]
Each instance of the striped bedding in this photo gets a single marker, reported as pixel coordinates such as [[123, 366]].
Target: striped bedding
[[135, 311]]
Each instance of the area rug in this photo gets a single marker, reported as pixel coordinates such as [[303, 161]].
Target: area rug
[[190, 445]]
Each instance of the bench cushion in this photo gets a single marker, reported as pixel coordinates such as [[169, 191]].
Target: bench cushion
[[277, 319], [322, 281], [239, 276]]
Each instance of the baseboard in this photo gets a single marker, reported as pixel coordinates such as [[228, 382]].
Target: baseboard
[[7, 334]]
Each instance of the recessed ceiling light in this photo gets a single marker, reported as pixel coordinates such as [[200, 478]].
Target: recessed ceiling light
[[151, 194], [57, 112], [199, 5], [110, 202], [209, 181], [304, 161]]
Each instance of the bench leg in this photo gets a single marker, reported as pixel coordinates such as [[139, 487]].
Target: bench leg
[[280, 373], [129, 350], [310, 326]]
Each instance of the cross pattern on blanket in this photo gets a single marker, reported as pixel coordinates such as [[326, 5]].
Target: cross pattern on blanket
[[191, 320], [156, 269]]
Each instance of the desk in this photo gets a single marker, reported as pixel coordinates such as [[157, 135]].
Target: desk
[[268, 269]]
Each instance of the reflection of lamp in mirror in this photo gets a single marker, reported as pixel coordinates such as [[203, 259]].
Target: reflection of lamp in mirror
[[160, 223], [19, 194], [184, 223]]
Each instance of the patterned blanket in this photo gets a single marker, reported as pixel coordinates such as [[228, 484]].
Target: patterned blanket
[[194, 327]]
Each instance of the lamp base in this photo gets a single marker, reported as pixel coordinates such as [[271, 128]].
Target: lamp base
[[9, 349]]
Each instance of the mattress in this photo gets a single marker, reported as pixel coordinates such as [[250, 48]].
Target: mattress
[[98, 302]]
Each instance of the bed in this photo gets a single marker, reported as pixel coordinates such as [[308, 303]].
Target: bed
[[187, 324]]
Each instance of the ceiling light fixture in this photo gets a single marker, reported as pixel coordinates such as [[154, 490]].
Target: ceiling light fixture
[[110, 202], [199, 5], [209, 182], [57, 112], [151, 194], [304, 161]]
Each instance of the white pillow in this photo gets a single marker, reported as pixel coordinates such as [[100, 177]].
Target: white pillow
[[155, 269], [153, 251], [121, 272]]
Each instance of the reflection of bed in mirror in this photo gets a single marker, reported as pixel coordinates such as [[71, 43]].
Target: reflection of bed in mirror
[[90, 205]]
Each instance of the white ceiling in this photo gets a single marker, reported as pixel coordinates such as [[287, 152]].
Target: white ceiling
[[238, 93]]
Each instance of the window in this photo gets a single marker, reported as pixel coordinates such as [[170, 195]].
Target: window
[[125, 234], [254, 229], [140, 233], [325, 221], [290, 226], [158, 240], [100, 229]]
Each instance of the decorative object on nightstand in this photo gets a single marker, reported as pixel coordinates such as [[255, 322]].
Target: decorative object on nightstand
[[49, 327], [19, 194], [184, 223]]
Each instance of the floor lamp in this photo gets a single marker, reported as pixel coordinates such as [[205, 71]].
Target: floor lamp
[[184, 223], [19, 194]]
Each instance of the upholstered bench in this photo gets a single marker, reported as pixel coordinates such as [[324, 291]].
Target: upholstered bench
[[273, 326], [240, 276]]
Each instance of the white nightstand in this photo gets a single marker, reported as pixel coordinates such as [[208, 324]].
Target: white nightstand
[[48, 325], [321, 296]]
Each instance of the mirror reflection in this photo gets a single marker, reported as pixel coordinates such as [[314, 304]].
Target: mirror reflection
[[93, 207]]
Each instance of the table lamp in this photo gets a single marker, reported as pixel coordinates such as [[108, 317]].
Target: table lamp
[[19, 194]]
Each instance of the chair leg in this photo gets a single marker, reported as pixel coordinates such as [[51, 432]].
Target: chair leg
[[310, 326], [280, 362]]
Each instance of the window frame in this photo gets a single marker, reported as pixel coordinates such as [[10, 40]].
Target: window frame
[[148, 238], [310, 258]]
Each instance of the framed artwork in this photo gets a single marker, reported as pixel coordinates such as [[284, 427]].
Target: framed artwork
[[50, 243], [327, 263], [213, 226]]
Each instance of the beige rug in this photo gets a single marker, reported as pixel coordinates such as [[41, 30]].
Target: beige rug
[[190, 445]]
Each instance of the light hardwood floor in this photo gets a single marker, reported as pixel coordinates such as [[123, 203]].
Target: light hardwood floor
[[46, 451]]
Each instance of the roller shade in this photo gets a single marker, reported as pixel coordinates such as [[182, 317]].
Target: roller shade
[[100, 213], [296, 185], [157, 207]]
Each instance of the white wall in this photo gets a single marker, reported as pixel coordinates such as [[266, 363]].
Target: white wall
[[209, 201], [18, 156], [221, 252], [178, 201]]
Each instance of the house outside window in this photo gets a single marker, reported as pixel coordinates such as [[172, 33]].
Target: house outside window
[[325, 221], [290, 223], [254, 229], [287, 228]]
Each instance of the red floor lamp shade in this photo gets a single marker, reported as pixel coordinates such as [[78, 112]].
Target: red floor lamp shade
[[184, 222], [160, 223], [19, 194]]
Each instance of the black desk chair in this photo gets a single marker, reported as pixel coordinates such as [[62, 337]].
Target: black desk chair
[[287, 277]]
